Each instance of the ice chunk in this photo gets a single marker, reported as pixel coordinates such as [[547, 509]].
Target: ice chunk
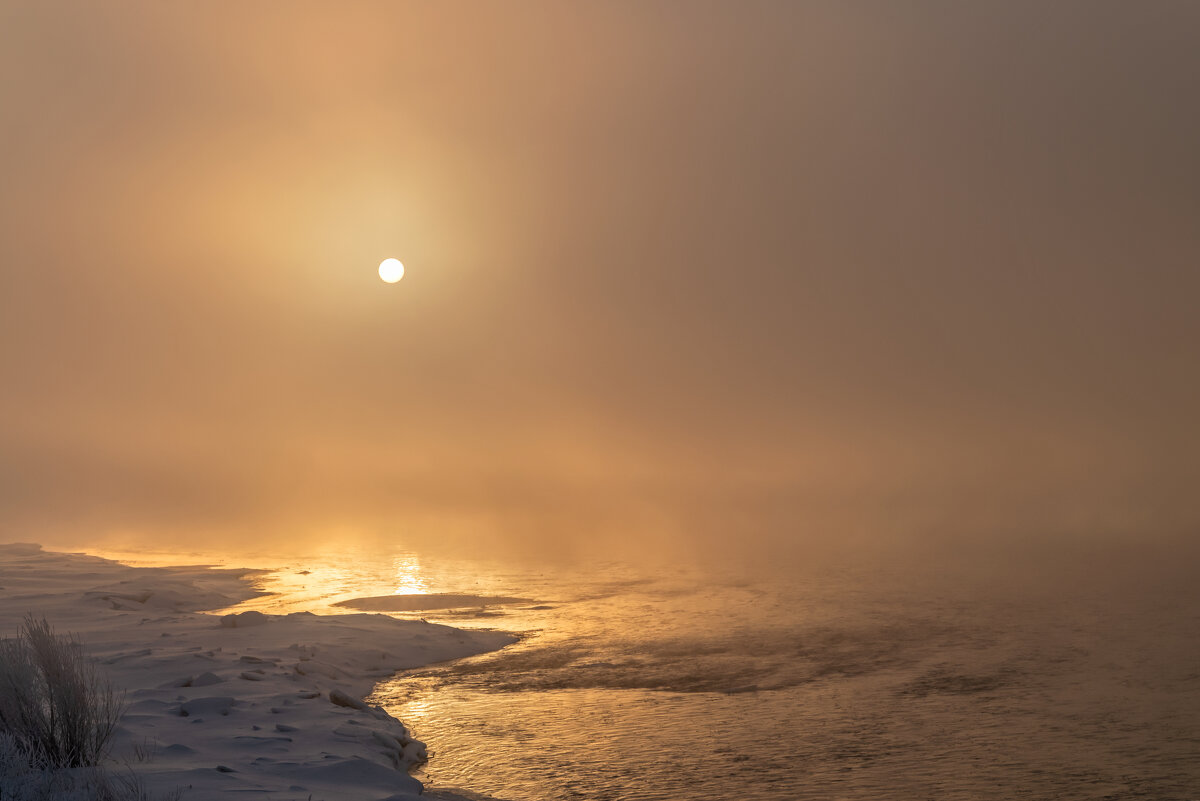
[[241, 620], [341, 699]]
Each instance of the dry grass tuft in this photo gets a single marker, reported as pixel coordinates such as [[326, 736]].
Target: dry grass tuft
[[53, 705]]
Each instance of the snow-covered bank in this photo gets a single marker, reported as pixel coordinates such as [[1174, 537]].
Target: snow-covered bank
[[265, 704]]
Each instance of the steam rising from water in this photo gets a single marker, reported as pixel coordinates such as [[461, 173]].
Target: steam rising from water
[[853, 683]]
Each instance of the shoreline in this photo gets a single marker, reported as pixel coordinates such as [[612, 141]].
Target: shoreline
[[243, 702]]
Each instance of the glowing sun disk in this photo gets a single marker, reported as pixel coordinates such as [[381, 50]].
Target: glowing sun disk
[[391, 270]]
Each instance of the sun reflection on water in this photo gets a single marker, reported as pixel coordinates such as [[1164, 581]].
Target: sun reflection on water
[[409, 578], [416, 712], [313, 583]]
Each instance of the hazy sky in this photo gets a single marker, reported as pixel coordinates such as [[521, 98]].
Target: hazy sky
[[695, 272]]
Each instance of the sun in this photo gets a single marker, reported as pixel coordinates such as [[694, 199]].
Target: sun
[[391, 270]]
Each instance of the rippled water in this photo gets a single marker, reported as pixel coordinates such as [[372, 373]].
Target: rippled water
[[821, 684]]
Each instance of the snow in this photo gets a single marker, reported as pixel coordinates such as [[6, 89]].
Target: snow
[[225, 705]]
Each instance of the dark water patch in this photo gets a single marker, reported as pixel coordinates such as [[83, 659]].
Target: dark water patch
[[738, 662], [945, 679], [426, 602]]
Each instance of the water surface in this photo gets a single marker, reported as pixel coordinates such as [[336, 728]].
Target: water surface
[[1063, 682]]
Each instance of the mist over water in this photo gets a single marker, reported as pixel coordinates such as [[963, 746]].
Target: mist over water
[[1067, 674], [824, 373], [850, 684]]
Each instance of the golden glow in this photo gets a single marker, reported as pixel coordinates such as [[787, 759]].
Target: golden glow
[[391, 270], [416, 710], [409, 580]]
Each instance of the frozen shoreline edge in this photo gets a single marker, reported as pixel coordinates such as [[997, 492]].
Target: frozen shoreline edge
[[270, 704]]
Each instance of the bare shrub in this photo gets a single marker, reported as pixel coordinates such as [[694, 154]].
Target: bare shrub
[[127, 786], [21, 782], [53, 704], [146, 750]]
